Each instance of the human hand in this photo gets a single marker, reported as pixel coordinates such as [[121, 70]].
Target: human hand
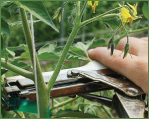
[[135, 68]]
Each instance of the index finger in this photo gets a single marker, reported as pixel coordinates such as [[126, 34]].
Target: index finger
[[115, 62]]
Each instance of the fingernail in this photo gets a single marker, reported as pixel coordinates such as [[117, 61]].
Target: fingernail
[[90, 51]]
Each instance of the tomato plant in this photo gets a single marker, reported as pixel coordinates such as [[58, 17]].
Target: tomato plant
[[116, 27]]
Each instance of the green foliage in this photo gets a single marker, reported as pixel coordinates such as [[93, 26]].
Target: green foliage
[[5, 13], [37, 9], [7, 52], [6, 3], [5, 27], [18, 24], [81, 48], [78, 52], [53, 52], [145, 10], [49, 52], [20, 64], [73, 113], [3, 71]]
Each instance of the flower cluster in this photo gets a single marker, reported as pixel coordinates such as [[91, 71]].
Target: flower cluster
[[128, 15]]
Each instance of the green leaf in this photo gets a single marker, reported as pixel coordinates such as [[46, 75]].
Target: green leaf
[[84, 46], [5, 13], [18, 24], [10, 52], [77, 50], [74, 56], [5, 27], [24, 47], [74, 113], [53, 52], [20, 64], [145, 10], [3, 71], [7, 52], [98, 43], [37, 9], [6, 3], [21, 46], [48, 56], [47, 48], [25, 55], [50, 52], [13, 48]]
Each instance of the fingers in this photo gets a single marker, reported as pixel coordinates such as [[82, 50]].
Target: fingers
[[102, 54], [115, 62], [137, 47], [144, 38]]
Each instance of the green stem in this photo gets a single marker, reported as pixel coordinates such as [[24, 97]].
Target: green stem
[[133, 31], [56, 101], [108, 113], [64, 103], [27, 32], [139, 30], [97, 18], [101, 16], [17, 70], [20, 114], [125, 30], [82, 11], [64, 4], [66, 48], [78, 9], [42, 89]]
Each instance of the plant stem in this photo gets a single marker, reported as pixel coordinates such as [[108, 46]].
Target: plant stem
[[108, 113], [82, 11], [78, 10], [64, 103], [20, 114], [125, 31], [16, 69], [102, 16], [66, 48], [66, 2], [133, 31], [97, 18], [42, 89], [138, 30]]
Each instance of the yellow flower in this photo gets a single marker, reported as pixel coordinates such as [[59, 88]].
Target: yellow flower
[[129, 16], [93, 5], [58, 14]]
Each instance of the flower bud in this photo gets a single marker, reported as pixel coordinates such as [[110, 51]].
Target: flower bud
[[58, 14], [110, 41], [107, 25], [112, 48], [126, 50]]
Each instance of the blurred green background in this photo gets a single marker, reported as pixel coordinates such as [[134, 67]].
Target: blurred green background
[[44, 34]]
